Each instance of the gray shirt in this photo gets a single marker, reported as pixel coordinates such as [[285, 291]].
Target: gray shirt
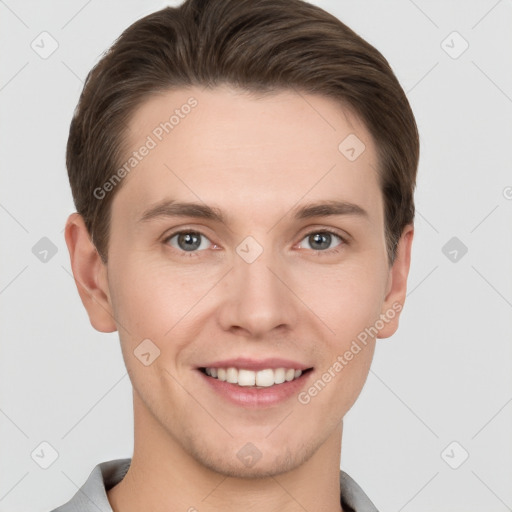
[[92, 496]]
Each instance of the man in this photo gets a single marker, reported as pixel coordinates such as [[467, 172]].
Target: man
[[243, 173]]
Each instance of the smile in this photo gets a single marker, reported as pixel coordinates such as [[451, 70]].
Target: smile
[[257, 379]]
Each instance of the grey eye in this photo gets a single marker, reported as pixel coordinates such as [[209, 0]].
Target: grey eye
[[188, 241], [321, 240]]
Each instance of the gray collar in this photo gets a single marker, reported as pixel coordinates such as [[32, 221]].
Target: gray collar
[[92, 496]]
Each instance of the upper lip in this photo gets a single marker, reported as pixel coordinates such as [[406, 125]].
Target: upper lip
[[256, 365]]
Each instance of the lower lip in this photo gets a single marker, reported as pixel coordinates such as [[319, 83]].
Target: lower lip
[[256, 397]]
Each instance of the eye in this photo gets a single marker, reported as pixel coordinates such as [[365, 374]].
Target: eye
[[321, 241], [188, 241]]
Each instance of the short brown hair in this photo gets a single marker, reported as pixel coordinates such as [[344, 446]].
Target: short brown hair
[[256, 45]]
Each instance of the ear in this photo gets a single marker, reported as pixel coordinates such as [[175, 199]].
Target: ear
[[397, 284], [90, 274]]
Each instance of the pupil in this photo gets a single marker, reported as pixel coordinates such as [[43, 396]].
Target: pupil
[[322, 239], [189, 241]]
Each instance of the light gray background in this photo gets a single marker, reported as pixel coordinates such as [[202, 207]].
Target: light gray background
[[445, 376]]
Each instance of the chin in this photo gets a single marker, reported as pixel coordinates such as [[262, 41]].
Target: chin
[[249, 462]]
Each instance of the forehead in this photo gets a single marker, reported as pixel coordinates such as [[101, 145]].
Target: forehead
[[250, 153]]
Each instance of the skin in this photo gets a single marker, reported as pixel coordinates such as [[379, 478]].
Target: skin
[[256, 159]]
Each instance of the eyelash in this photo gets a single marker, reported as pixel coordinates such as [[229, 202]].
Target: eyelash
[[194, 254]]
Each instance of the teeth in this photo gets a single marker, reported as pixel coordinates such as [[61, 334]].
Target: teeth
[[279, 375], [265, 378], [248, 378], [232, 375]]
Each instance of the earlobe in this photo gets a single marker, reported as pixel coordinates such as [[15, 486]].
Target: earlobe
[[90, 274], [397, 285]]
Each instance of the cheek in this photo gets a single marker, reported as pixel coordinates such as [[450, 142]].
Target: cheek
[[348, 301], [152, 297], [148, 304], [160, 302], [347, 298]]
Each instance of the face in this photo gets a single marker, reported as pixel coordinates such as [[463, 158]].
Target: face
[[245, 245]]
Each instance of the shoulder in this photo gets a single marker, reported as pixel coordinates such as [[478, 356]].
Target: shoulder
[[353, 498], [92, 496]]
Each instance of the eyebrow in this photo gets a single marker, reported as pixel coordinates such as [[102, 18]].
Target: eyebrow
[[171, 208], [327, 208]]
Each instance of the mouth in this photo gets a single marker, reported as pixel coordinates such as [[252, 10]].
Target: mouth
[[260, 379]]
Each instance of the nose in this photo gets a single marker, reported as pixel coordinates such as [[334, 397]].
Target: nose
[[257, 298]]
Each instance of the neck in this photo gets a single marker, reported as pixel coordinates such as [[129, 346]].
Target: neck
[[163, 476]]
